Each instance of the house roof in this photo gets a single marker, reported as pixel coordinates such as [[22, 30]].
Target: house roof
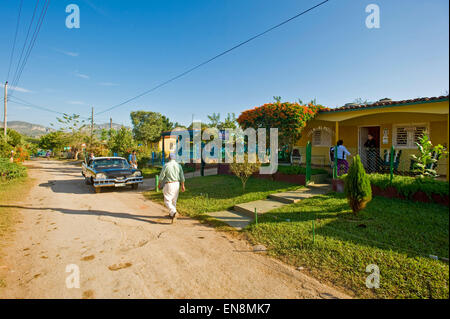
[[387, 103]]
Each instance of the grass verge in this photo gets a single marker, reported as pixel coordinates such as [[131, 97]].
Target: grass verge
[[396, 235], [152, 171], [10, 191], [220, 192]]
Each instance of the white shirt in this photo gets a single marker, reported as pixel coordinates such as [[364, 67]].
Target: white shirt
[[342, 152]]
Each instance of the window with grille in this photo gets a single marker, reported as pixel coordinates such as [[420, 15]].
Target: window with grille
[[321, 137], [408, 136]]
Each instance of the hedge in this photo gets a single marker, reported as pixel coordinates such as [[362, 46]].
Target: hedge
[[299, 170], [407, 186]]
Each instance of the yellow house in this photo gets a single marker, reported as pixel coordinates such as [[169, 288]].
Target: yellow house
[[397, 123], [170, 144]]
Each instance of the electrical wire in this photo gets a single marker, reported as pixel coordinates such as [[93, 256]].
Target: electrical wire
[[15, 39], [33, 39], [212, 59]]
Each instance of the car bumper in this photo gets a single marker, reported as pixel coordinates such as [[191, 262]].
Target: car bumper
[[117, 182]]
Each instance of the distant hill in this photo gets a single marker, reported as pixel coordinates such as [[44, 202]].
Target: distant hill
[[28, 129], [37, 130]]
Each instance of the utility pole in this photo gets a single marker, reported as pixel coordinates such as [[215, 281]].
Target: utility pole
[[5, 125], [110, 123], [92, 125]]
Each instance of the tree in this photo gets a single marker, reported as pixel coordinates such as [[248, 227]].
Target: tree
[[14, 137], [428, 156], [52, 141], [121, 141], [214, 120], [228, 122], [5, 147], [289, 118], [357, 186], [148, 126], [244, 170], [73, 136]]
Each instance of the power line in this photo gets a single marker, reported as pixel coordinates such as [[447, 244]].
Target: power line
[[23, 102], [15, 39], [26, 103], [26, 40], [33, 40], [212, 59]]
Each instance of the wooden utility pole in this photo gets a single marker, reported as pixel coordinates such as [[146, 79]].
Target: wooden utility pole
[[5, 117], [92, 125], [110, 123]]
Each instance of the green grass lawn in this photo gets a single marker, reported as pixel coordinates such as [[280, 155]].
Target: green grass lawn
[[220, 192], [152, 171], [395, 235]]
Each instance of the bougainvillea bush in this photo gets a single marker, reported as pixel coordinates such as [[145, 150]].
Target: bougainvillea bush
[[289, 118]]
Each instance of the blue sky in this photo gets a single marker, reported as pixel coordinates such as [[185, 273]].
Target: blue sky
[[126, 47]]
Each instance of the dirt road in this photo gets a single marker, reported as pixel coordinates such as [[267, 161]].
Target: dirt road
[[125, 247]]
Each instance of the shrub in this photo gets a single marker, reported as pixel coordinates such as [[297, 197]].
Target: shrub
[[427, 157], [357, 186], [10, 171], [244, 170], [407, 185]]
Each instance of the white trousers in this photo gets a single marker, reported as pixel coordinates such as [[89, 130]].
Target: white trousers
[[171, 191]]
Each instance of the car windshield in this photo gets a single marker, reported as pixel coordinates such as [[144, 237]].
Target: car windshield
[[110, 163]]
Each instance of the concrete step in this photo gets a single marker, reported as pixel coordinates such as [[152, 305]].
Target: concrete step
[[262, 206], [232, 218], [291, 197]]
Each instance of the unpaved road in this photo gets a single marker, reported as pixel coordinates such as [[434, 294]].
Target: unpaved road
[[125, 247]]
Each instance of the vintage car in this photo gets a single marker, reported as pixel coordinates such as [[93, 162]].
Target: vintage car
[[110, 172]]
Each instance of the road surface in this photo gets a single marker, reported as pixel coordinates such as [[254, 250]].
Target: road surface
[[120, 245]]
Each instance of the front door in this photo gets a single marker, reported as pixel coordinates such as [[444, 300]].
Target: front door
[[368, 159]]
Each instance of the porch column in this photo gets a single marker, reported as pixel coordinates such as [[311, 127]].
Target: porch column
[[163, 152], [336, 136]]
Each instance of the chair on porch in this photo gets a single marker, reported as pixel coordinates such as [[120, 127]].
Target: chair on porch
[[386, 161]]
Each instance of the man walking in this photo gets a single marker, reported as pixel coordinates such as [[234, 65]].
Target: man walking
[[170, 180]]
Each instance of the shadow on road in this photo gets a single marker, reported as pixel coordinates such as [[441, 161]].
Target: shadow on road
[[78, 186], [142, 218]]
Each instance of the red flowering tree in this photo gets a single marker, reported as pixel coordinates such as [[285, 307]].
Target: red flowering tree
[[289, 118]]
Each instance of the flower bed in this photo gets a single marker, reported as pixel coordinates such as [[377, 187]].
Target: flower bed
[[404, 187]]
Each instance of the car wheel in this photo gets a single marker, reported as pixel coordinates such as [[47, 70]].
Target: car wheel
[[98, 190], [135, 186]]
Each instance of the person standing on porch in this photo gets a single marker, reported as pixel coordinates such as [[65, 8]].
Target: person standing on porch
[[342, 154], [171, 179], [371, 149]]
